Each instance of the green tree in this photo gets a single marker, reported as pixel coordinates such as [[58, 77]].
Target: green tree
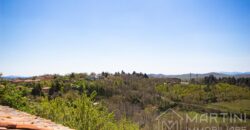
[[210, 80], [37, 90]]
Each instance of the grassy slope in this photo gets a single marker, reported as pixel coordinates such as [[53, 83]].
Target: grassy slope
[[234, 106]]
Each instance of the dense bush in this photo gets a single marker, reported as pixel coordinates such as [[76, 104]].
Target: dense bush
[[13, 96], [81, 114]]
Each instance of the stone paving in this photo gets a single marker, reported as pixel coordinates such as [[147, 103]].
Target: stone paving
[[14, 119]]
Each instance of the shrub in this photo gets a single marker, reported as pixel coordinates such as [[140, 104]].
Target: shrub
[[14, 97], [80, 114]]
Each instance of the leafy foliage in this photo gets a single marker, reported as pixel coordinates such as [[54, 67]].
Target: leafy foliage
[[200, 94], [14, 97], [81, 114]]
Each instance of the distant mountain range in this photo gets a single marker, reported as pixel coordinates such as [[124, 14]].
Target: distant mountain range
[[193, 75], [180, 76], [15, 77], [236, 73]]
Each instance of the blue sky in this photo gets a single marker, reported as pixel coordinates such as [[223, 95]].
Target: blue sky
[[151, 36]]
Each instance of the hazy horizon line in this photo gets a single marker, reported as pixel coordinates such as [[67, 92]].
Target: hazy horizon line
[[221, 72]]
